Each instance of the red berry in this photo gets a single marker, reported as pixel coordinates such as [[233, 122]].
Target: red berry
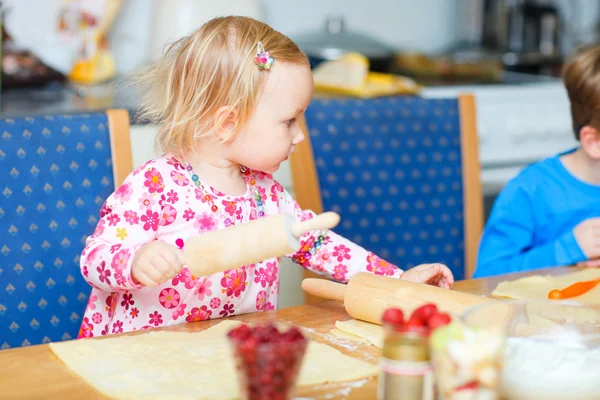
[[393, 316], [425, 311], [438, 320]]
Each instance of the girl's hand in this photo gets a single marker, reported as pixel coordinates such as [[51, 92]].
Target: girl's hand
[[156, 263], [430, 274], [593, 263]]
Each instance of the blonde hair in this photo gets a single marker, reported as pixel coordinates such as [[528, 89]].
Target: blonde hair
[[581, 76], [211, 68]]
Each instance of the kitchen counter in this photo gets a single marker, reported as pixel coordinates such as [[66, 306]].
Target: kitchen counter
[[69, 99]]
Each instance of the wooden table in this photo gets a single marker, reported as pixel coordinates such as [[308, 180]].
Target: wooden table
[[35, 373]]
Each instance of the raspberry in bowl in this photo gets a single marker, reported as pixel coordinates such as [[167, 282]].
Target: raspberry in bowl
[[267, 360]]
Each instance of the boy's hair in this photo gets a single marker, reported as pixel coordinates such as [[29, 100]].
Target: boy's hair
[[209, 69], [581, 76]]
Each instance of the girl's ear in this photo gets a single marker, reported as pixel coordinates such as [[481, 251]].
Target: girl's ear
[[225, 122], [590, 141]]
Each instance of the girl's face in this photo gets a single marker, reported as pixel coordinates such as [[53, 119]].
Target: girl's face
[[273, 130]]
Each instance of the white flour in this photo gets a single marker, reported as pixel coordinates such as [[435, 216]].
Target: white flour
[[550, 371]]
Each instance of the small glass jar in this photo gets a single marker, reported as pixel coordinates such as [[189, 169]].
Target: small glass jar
[[405, 368]]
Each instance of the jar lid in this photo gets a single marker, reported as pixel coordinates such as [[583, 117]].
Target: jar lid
[[334, 41]]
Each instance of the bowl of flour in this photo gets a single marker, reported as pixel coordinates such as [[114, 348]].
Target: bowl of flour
[[551, 348]]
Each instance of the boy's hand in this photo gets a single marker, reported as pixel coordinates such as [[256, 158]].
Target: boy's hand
[[587, 234], [156, 263], [430, 274]]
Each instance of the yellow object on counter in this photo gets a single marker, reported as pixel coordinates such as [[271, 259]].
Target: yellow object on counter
[[350, 76]]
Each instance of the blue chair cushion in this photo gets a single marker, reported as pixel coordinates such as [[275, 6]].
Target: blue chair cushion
[[56, 173], [392, 168]]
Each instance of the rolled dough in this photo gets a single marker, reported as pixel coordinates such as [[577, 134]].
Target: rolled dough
[[360, 331], [537, 287], [173, 365]]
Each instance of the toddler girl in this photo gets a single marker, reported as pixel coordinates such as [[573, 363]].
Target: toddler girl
[[229, 99]]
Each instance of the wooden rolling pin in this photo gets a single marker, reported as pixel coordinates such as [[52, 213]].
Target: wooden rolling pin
[[367, 296], [248, 243]]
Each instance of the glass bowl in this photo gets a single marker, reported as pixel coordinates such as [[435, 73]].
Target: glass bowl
[[551, 349]]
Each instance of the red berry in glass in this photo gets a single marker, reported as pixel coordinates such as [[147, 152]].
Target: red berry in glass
[[268, 361]]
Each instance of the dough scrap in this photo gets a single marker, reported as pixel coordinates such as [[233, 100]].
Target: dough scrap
[[362, 330], [537, 287], [178, 365]]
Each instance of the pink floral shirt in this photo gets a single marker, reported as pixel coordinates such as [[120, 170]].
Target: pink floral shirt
[[158, 201]]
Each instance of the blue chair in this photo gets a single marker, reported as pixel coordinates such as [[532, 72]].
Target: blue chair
[[403, 173], [56, 173]]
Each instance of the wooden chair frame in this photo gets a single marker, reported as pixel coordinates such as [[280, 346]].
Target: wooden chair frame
[[308, 192], [120, 144]]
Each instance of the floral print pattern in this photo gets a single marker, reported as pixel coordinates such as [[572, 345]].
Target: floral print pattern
[[158, 201]]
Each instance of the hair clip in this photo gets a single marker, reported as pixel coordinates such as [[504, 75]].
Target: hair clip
[[263, 58]]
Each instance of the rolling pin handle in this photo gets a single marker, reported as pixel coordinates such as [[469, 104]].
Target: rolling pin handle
[[324, 289]]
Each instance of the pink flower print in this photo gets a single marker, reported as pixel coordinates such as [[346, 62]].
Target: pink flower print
[[111, 304], [175, 163], [269, 307], [379, 266], [179, 311], [238, 213], [85, 271], [339, 272], [229, 207], [154, 181], [99, 228], [169, 298], [141, 167], [127, 301], [172, 197], [341, 252], [234, 282], [131, 217], [104, 273], [120, 260], [215, 302], [227, 310], [85, 331], [105, 330], [105, 210], [117, 327], [260, 276], [185, 277], [92, 302], [123, 193], [97, 318], [263, 193], [114, 248], [323, 257], [167, 215], [150, 220], [146, 201], [202, 196], [203, 289], [259, 175], [261, 300], [188, 214], [179, 243], [275, 189], [120, 278], [113, 219], [271, 273], [134, 312], [155, 318], [205, 222], [199, 314], [228, 222], [179, 178]]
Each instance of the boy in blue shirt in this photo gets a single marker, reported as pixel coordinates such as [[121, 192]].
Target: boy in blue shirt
[[549, 215]]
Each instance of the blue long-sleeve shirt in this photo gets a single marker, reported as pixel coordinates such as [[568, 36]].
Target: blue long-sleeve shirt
[[531, 224]]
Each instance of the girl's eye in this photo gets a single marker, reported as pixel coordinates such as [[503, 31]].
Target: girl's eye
[[290, 122]]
